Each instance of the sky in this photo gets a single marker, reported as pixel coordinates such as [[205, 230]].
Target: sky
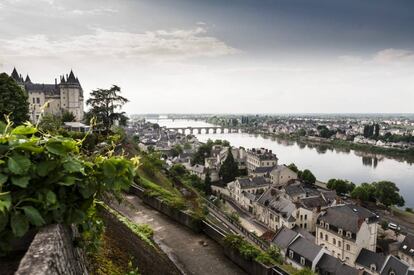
[[216, 56]]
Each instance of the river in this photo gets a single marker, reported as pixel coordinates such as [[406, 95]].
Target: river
[[324, 162]]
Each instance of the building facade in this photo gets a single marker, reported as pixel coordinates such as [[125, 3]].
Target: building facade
[[260, 157], [65, 96]]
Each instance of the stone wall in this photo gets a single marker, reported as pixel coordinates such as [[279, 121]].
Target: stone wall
[[52, 252], [150, 260]]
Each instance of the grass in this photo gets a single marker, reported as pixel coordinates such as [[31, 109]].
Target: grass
[[143, 231], [172, 197], [404, 215]]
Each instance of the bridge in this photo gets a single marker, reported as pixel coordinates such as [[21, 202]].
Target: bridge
[[205, 130]]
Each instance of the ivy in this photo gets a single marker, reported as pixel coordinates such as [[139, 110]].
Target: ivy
[[45, 179]]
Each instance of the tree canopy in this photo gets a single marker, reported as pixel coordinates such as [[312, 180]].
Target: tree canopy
[[104, 105], [13, 100], [307, 176], [229, 170], [385, 192], [340, 186]]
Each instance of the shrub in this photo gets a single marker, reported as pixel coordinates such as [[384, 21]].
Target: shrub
[[44, 179]]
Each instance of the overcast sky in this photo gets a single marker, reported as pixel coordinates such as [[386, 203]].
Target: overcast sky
[[221, 56]]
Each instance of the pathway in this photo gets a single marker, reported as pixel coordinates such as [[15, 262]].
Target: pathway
[[193, 253]]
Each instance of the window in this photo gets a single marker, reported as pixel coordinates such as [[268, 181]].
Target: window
[[373, 267], [306, 217], [339, 243], [321, 235], [327, 226], [391, 272], [348, 234], [326, 237], [334, 241], [340, 231], [321, 223], [302, 261], [348, 247], [34, 101], [290, 254], [38, 100], [305, 225]]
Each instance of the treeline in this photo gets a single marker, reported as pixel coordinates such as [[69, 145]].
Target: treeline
[[384, 192]]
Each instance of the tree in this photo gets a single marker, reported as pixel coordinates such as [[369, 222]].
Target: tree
[[13, 100], [364, 192], [229, 170], [203, 152], [293, 167], [176, 150], [178, 170], [386, 192], [207, 182], [308, 177], [104, 105], [68, 116], [50, 123], [340, 186]]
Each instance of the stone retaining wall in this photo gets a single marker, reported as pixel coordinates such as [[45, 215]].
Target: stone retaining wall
[[52, 252], [150, 260]]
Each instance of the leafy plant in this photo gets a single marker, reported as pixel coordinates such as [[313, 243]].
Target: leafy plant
[[45, 179]]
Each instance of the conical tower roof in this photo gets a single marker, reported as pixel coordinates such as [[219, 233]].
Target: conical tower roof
[[27, 79]]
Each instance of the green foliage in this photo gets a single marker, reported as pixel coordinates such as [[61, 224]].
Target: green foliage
[[207, 182], [178, 170], [104, 105], [50, 123], [293, 167], [384, 225], [177, 150], [364, 192], [13, 100], [249, 251], [151, 163], [385, 192], [305, 271], [409, 210], [154, 190], [229, 170], [235, 217], [203, 152], [341, 186], [307, 176], [275, 253], [44, 179], [67, 116]]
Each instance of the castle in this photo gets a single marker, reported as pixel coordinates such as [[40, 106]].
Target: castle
[[67, 95]]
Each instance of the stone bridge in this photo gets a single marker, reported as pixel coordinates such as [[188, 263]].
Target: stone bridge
[[205, 130]]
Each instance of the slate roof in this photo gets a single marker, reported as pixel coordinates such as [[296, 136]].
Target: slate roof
[[263, 170], [331, 265], [313, 202], [273, 199], [305, 248], [250, 196], [299, 188], [367, 257], [348, 217], [252, 182], [407, 246], [393, 264], [283, 237]]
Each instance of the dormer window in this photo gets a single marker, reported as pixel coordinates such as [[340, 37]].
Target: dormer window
[[340, 232], [391, 272], [373, 267], [302, 261], [327, 226], [348, 234], [290, 254], [321, 223]]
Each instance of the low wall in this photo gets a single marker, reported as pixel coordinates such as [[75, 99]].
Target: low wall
[[175, 214], [150, 260], [52, 252]]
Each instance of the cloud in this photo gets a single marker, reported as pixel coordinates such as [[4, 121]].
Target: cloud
[[98, 11], [385, 57], [394, 55], [158, 45]]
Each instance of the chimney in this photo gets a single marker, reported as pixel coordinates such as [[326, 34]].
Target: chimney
[[55, 81]]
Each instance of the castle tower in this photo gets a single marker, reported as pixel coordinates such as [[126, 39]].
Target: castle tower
[[71, 95]]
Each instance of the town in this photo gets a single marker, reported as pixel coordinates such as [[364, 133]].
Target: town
[[314, 226]]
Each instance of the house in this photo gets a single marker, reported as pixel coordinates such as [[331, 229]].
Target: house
[[406, 250], [302, 253], [280, 175], [283, 238], [198, 170], [239, 189], [346, 229], [329, 265], [260, 157], [393, 266], [370, 261]]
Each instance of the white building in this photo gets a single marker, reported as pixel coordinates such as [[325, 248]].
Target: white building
[[260, 157]]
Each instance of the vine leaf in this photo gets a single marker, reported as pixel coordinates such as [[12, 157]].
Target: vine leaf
[[33, 215], [3, 178], [19, 224], [18, 164], [20, 181], [24, 130], [5, 201]]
